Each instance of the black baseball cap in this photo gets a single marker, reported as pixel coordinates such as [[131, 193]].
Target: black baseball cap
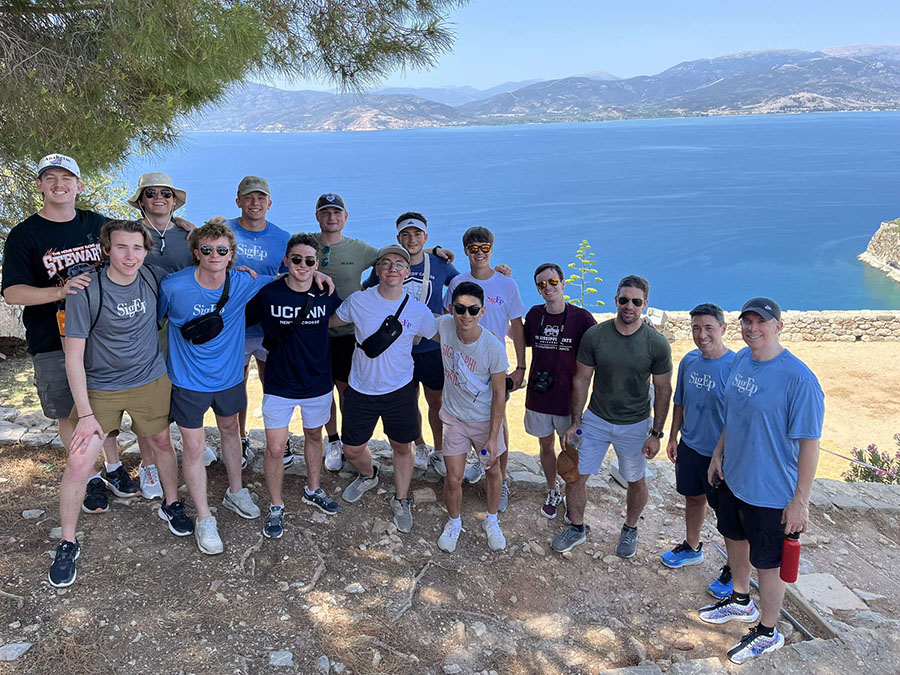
[[767, 308], [330, 200]]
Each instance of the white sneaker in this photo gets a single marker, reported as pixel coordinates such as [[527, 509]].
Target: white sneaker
[[241, 503], [149, 477], [474, 470], [495, 537], [207, 535], [420, 456], [209, 456], [436, 459], [450, 535], [334, 456]]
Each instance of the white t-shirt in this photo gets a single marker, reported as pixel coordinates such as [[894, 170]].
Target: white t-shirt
[[468, 370], [393, 368], [502, 301]]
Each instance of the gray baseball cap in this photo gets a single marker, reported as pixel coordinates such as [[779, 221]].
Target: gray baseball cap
[[250, 184], [395, 249], [767, 308]]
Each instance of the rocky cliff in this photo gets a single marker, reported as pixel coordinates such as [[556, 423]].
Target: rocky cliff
[[883, 251]]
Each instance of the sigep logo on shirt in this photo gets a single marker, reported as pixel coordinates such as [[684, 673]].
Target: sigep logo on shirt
[[495, 299], [130, 309], [703, 381], [745, 385], [200, 310], [253, 252]]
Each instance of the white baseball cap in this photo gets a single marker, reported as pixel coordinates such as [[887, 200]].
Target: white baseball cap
[[60, 162]]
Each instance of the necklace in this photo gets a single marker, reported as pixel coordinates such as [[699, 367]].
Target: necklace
[[162, 234]]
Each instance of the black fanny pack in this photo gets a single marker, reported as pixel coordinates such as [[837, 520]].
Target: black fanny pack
[[202, 329], [386, 335]]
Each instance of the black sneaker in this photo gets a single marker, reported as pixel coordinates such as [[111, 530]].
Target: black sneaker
[[322, 501], [274, 527], [95, 498], [288, 455], [121, 484], [62, 571], [179, 523], [246, 452]]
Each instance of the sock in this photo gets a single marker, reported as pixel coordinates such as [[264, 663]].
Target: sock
[[740, 598], [309, 493], [768, 631], [333, 437], [457, 521], [629, 529], [491, 518], [580, 528], [96, 475], [112, 467]]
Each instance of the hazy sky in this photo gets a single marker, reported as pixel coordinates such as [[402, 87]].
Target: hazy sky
[[503, 40]]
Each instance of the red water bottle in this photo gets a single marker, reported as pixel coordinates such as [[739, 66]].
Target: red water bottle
[[790, 557]]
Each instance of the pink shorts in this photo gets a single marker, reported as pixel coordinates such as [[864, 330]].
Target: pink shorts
[[460, 437]]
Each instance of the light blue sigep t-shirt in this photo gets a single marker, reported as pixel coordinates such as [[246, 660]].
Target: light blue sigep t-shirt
[[700, 389], [263, 252], [218, 364], [769, 407]]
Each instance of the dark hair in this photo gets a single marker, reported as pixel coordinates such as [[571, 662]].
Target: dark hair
[[709, 309], [549, 266], [410, 214], [468, 288], [477, 233], [211, 230], [634, 281], [130, 226], [302, 239]]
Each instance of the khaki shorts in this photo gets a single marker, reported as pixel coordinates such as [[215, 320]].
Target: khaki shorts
[[148, 406]]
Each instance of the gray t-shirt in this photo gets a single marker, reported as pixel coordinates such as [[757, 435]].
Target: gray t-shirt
[[175, 255], [122, 351], [345, 263]]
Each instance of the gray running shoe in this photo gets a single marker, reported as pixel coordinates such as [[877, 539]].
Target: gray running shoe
[[334, 456], [627, 547], [274, 527], [209, 456], [496, 540], [437, 463], [360, 484], [449, 537], [568, 539], [504, 496], [474, 471], [420, 456], [207, 535], [241, 503], [402, 509], [322, 501]]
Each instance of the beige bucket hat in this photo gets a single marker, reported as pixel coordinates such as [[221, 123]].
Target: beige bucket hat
[[157, 179]]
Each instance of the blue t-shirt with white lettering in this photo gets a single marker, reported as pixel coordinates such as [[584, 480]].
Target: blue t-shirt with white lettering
[[769, 407], [300, 366], [700, 390], [218, 364], [440, 274], [263, 252]]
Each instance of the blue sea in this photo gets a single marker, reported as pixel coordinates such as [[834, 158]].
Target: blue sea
[[707, 209]]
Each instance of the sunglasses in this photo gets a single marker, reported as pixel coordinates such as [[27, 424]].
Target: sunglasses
[[543, 284], [475, 248], [637, 302], [206, 249], [396, 264], [299, 259], [461, 309], [150, 193], [326, 256]]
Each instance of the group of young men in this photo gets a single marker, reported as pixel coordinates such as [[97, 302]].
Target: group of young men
[[160, 319]]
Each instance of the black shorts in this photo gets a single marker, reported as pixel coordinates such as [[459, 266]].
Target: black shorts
[[189, 406], [760, 526], [397, 411], [429, 369], [691, 470], [342, 347]]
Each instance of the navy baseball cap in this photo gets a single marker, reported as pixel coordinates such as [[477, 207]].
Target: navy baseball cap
[[330, 200]]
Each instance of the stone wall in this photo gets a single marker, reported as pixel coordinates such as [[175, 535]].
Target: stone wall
[[883, 251]]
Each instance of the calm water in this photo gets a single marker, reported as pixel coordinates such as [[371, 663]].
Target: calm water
[[716, 209]]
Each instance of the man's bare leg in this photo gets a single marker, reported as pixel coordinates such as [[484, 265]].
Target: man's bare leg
[[79, 467], [273, 466], [193, 444], [403, 468]]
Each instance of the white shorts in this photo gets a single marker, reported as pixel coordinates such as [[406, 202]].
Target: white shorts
[[627, 440], [277, 411], [544, 424], [253, 347]]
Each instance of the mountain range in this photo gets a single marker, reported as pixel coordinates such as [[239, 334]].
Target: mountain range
[[858, 77]]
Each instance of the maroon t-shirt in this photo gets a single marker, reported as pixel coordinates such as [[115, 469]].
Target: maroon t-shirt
[[542, 334]]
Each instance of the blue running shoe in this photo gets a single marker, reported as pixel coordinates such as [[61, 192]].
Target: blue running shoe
[[683, 555], [755, 643], [722, 587], [729, 609]]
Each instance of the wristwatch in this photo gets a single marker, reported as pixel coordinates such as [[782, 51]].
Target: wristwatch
[[657, 434]]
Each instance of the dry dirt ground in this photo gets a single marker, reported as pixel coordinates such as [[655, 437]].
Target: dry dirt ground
[[146, 601]]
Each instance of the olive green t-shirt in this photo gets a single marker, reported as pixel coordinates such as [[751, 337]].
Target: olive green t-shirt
[[345, 263], [622, 367]]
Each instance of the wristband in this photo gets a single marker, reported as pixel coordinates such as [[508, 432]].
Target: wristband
[[88, 415], [521, 368], [434, 249]]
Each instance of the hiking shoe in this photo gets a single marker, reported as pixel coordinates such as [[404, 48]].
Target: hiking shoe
[[627, 547], [334, 455], [403, 518], [120, 483], [209, 457], [729, 609], [95, 498], [450, 535], [360, 484], [288, 457], [241, 503], [62, 571], [246, 452], [436, 460], [149, 479], [551, 503], [568, 539], [421, 453], [474, 471], [322, 501], [207, 535], [496, 540], [179, 523], [504, 497], [274, 527], [723, 586], [755, 643], [682, 555]]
